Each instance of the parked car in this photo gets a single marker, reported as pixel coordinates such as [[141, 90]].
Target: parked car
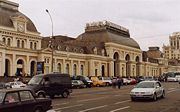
[[22, 100], [3, 85], [78, 84], [107, 80], [177, 78], [16, 84], [51, 84], [171, 79], [126, 81], [97, 82], [84, 79], [147, 90]]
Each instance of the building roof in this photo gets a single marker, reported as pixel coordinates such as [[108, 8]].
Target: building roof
[[107, 32], [10, 9]]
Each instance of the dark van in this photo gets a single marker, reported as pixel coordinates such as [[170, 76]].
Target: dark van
[[51, 84]]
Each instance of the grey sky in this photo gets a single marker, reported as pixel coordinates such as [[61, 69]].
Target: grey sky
[[149, 21]]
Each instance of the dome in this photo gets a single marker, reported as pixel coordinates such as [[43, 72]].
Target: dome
[[8, 10], [106, 36], [102, 32]]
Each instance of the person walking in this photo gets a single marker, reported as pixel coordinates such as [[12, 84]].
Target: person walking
[[114, 82], [119, 82]]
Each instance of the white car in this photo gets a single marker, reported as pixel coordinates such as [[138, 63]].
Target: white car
[[106, 80], [177, 78], [171, 79], [16, 84], [147, 90]]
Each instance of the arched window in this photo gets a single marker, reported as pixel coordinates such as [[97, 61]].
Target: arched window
[[74, 70], [59, 67], [67, 68], [18, 43], [82, 70], [4, 40], [31, 45], [22, 44], [9, 42], [35, 45]]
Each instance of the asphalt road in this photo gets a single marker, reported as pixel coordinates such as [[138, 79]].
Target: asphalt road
[[108, 99]]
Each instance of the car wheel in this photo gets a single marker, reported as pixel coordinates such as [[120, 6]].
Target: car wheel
[[107, 84], [154, 97], [41, 95], [132, 99], [163, 95], [65, 94], [51, 96], [38, 110]]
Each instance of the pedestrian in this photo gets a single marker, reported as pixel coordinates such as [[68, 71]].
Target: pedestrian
[[119, 82], [114, 82]]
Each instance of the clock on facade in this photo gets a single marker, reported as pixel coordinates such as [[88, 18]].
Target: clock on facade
[[20, 27]]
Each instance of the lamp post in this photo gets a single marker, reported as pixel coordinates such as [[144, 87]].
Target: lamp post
[[52, 40]]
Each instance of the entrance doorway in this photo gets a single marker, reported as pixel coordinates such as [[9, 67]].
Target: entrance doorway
[[7, 68]]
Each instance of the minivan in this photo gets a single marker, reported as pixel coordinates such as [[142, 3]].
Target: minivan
[[51, 84]]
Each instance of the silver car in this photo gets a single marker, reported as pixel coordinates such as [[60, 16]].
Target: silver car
[[147, 90]]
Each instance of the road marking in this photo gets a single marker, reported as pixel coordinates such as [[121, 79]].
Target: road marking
[[92, 99], [68, 107], [120, 109], [172, 91], [171, 88], [122, 101], [93, 108], [61, 104], [117, 95]]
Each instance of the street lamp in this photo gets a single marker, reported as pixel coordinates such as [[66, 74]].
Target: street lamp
[[52, 40]]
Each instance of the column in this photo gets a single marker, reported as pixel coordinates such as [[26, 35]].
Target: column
[[3, 62], [91, 68], [27, 69], [63, 66], [71, 69], [111, 68], [14, 65], [55, 65], [79, 68]]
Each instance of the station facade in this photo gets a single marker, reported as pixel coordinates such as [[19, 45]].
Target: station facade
[[104, 49]]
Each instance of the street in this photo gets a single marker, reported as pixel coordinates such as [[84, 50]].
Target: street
[[108, 99]]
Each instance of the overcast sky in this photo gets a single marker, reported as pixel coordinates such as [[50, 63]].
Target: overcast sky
[[150, 22]]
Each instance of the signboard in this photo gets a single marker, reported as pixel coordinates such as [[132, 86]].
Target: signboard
[[40, 67]]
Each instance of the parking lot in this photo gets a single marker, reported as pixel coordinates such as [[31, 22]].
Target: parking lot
[[108, 99]]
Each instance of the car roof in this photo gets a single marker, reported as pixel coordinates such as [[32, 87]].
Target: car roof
[[149, 81], [14, 89]]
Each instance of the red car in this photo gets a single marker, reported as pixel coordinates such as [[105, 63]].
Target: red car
[[22, 100]]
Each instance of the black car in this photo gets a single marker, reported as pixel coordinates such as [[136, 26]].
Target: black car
[[78, 84], [22, 100], [51, 84], [84, 79]]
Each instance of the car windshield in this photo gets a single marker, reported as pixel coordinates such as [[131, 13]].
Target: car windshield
[[86, 78], [107, 78], [145, 85], [1, 96], [35, 80]]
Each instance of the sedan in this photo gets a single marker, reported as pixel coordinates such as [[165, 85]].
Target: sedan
[[22, 100], [78, 84], [147, 90], [16, 84]]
